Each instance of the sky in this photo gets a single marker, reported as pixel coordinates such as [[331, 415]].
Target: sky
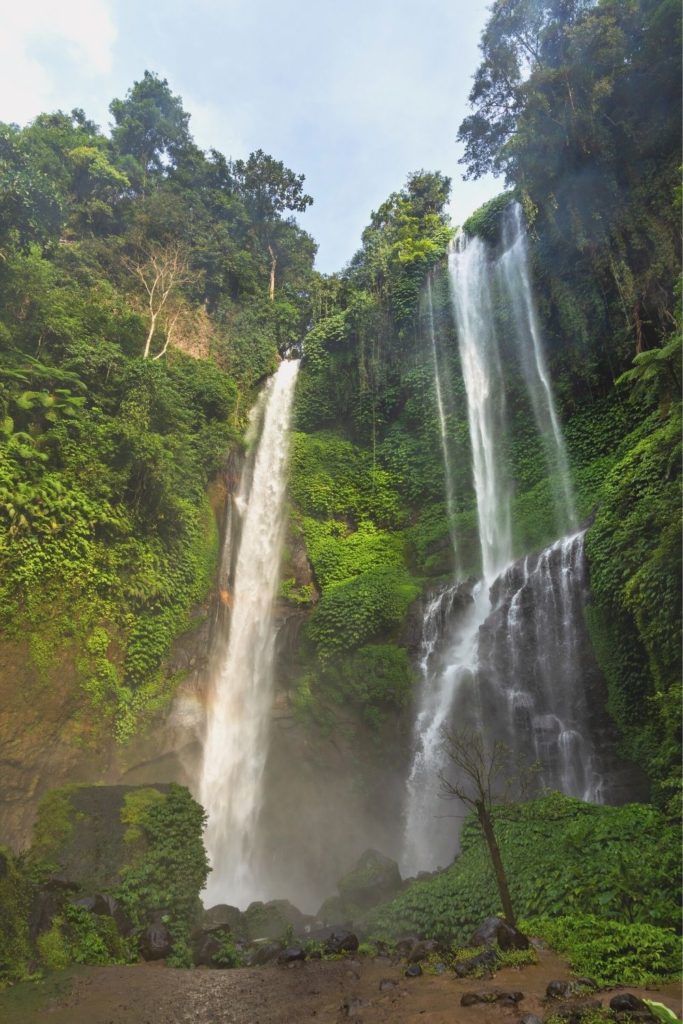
[[355, 94]]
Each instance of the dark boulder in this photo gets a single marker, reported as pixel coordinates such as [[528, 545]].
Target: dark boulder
[[155, 943], [414, 971], [495, 931], [406, 944], [273, 920], [45, 906], [564, 989], [105, 905], [341, 941], [263, 953], [223, 916], [423, 949], [373, 878], [626, 1002], [291, 954]]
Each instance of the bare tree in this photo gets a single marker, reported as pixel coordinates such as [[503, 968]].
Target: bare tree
[[161, 270], [483, 776]]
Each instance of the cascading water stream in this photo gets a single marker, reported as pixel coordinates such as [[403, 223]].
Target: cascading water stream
[[443, 428], [514, 268], [241, 691], [519, 701]]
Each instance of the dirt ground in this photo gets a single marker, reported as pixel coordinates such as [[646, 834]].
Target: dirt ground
[[320, 991]]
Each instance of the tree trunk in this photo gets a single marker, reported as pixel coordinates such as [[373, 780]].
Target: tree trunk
[[273, 264], [497, 861]]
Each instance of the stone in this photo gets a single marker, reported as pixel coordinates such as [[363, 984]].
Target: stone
[[482, 962], [272, 920], [495, 931], [493, 995], [405, 944], [155, 943], [223, 916], [341, 941], [423, 949], [387, 984], [626, 1002], [530, 1018], [414, 971], [105, 905], [372, 879], [290, 954], [564, 989], [264, 953]]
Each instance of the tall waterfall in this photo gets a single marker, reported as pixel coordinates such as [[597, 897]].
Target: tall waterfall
[[514, 268], [497, 688], [241, 692], [443, 428]]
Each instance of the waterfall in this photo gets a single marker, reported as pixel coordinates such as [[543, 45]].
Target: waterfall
[[514, 267], [504, 660], [241, 688], [443, 430]]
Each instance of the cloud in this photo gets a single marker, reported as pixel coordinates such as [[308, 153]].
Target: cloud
[[50, 53]]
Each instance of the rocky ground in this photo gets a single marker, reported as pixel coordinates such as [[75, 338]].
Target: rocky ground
[[365, 991]]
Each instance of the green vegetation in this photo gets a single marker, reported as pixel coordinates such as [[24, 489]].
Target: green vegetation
[[146, 288], [15, 900], [562, 857], [168, 864], [612, 952]]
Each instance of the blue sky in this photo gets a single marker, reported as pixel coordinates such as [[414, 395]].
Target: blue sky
[[353, 94]]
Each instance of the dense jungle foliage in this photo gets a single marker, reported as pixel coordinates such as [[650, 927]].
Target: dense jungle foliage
[[572, 867], [577, 104], [146, 287]]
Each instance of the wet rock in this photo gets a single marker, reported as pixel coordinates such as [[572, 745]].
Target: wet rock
[[223, 916], [495, 931], [44, 908], [564, 989], [406, 944], [482, 962], [333, 911], [574, 1010], [626, 1002], [373, 878], [341, 941], [263, 953], [272, 920], [414, 971], [290, 954], [494, 995], [156, 942], [423, 949], [387, 984], [105, 905]]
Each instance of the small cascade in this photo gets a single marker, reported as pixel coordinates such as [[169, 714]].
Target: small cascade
[[536, 668], [241, 687], [443, 427], [514, 268]]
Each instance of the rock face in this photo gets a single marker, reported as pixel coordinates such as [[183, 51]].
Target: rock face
[[373, 878], [81, 830]]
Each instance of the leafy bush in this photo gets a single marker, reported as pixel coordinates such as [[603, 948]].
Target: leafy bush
[[611, 952], [15, 900], [560, 855]]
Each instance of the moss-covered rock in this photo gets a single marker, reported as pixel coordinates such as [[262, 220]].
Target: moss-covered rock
[[15, 897]]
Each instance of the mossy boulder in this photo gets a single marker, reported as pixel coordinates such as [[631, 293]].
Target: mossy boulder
[[373, 878], [272, 920]]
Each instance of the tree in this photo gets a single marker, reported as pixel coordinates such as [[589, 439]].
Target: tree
[[161, 271], [150, 126], [268, 188], [478, 783]]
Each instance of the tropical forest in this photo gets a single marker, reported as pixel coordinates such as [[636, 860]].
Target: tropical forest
[[340, 612]]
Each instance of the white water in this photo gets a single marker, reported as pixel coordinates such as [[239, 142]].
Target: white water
[[514, 267], [443, 429], [241, 692], [450, 664]]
